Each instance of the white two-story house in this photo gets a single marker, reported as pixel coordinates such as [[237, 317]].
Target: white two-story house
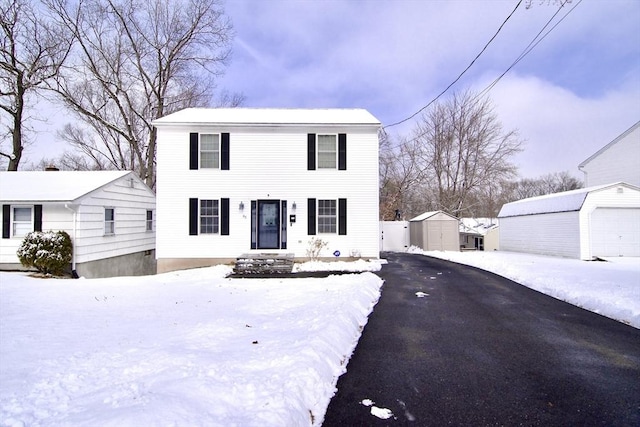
[[250, 181]]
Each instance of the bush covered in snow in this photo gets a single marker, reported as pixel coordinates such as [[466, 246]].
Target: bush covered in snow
[[48, 252]]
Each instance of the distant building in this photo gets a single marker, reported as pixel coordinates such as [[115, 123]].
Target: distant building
[[618, 161], [110, 216]]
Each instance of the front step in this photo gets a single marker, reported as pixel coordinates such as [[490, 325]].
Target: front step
[[263, 264]]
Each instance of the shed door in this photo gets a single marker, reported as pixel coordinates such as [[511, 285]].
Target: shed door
[[615, 232]]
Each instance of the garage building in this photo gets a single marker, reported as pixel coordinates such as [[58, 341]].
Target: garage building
[[588, 223]]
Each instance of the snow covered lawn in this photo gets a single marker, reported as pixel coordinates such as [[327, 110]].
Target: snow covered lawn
[[609, 288], [193, 348], [188, 348]]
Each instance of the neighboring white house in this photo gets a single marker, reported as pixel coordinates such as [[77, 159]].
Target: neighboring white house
[[250, 181], [108, 214], [482, 234], [435, 231], [617, 161], [600, 221]]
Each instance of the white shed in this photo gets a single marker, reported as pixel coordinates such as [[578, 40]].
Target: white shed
[[587, 223], [435, 231], [110, 216]]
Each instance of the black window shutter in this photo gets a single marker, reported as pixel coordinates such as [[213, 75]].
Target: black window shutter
[[6, 221], [311, 151], [193, 217], [311, 217], [283, 224], [193, 151], [254, 226], [37, 218], [224, 152], [342, 217], [342, 151], [224, 217]]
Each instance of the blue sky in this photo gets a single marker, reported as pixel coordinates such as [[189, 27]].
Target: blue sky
[[577, 90]]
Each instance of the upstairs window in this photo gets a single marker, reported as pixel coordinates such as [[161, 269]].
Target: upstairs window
[[109, 221], [327, 151], [209, 151], [22, 223], [209, 217]]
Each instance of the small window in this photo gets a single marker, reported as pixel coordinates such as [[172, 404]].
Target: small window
[[109, 221], [327, 216], [209, 151], [149, 220], [22, 223], [327, 152], [209, 217]]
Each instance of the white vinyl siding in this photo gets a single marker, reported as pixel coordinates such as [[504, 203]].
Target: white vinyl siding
[[209, 151], [327, 151]]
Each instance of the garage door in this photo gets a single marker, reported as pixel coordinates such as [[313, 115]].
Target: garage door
[[615, 232]]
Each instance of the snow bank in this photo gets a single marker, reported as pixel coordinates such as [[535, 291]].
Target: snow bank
[[609, 288]]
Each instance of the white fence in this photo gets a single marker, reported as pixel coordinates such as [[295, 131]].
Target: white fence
[[394, 236]]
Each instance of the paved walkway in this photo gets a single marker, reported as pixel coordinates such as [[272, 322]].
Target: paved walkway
[[452, 345]]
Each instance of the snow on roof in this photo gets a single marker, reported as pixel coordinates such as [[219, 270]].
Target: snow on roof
[[566, 201], [270, 116], [477, 225], [427, 215], [53, 186]]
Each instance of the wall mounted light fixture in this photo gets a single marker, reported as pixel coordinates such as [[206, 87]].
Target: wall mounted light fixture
[[241, 206], [293, 206]]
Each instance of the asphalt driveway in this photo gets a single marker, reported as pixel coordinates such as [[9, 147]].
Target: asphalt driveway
[[452, 345]]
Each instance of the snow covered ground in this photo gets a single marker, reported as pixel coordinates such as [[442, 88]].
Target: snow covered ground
[[195, 348], [609, 288], [188, 348]]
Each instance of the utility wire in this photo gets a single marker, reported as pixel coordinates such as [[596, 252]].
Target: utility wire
[[461, 74], [534, 42], [530, 46]]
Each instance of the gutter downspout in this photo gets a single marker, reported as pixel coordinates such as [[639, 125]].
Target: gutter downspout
[[73, 209]]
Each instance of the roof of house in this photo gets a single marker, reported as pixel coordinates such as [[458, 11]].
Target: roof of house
[[606, 147], [270, 116], [53, 186], [566, 201], [428, 215]]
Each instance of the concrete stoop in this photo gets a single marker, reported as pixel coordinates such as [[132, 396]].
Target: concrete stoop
[[263, 264]]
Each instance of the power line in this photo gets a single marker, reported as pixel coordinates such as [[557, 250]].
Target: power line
[[461, 74], [531, 45], [534, 42]]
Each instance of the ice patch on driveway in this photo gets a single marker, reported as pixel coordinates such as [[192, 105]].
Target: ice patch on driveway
[[382, 413]]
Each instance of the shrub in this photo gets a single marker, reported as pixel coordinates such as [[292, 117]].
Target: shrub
[[48, 252], [316, 246]]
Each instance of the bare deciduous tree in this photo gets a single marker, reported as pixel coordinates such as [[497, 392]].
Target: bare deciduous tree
[[462, 149], [31, 53], [135, 61]]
